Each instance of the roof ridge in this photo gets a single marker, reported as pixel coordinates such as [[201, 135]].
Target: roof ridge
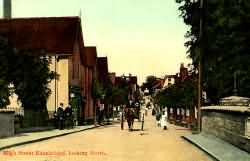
[[37, 18]]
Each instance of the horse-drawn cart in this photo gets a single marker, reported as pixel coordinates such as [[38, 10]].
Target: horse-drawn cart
[[131, 112]]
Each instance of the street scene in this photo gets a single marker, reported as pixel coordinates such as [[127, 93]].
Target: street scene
[[111, 143], [127, 80]]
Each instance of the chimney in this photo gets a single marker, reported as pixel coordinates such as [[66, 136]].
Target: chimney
[[182, 65], [7, 9]]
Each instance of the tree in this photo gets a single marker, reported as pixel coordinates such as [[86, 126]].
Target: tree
[[119, 96], [6, 53], [181, 94], [29, 72], [97, 89], [148, 84], [224, 44], [32, 79]]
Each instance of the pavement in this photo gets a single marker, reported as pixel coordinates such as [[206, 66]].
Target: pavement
[[31, 137], [217, 148]]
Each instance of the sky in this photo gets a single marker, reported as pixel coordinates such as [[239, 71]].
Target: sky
[[141, 37]]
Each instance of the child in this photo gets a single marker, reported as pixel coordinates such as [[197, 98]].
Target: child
[[164, 120]]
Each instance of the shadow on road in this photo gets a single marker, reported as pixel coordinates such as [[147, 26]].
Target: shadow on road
[[105, 126]]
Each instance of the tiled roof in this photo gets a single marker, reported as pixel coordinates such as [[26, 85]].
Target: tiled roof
[[53, 34], [90, 56], [158, 84], [131, 80]]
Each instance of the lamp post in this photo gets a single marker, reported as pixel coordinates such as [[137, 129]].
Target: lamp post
[[95, 113], [122, 121], [122, 117], [235, 91], [200, 72]]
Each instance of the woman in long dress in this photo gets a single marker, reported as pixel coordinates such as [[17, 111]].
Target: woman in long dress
[[164, 120]]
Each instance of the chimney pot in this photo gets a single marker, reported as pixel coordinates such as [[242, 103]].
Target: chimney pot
[[7, 9]]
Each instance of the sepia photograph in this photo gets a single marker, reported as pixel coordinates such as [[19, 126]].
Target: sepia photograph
[[124, 80]]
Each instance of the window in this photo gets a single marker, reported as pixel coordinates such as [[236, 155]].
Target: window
[[169, 79]]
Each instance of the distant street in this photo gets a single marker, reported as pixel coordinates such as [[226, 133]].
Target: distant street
[[111, 143]]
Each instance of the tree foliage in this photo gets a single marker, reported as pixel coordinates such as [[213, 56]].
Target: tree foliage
[[97, 89], [223, 48], [114, 95], [178, 95], [28, 71], [148, 84], [118, 96]]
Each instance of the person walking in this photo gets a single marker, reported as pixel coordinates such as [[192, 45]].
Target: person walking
[[129, 113], [158, 118], [60, 116], [164, 120], [101, 114]]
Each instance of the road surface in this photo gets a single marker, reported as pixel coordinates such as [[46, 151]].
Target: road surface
[[110, 143]]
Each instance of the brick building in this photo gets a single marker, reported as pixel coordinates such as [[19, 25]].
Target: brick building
[[62, 39], [89, 68]]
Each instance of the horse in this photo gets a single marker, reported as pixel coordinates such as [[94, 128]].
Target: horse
[[129, 115]]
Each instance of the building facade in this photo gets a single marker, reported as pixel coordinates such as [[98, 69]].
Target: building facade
[[62, 39]]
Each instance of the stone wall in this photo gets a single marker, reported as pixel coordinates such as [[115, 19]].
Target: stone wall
[[227, 124], [6, 123], [35, 118]]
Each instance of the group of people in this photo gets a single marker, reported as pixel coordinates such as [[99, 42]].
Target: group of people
[[161, 118], [64, 117]]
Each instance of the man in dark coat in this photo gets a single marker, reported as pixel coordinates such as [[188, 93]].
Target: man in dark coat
[[60, 116], [68, 117]]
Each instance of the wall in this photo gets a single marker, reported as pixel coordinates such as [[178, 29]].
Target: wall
[[90, 98], [59, 88], [75, 66], [227, 123], [6, 123], [63, 82], [59, 91], [52, 101]]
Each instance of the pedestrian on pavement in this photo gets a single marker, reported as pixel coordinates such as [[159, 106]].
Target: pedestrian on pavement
[[164, 120], [97, 113], [158, 114], [153, 112], [60, 116], [158, 118], [68, 113], [101, 113]]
